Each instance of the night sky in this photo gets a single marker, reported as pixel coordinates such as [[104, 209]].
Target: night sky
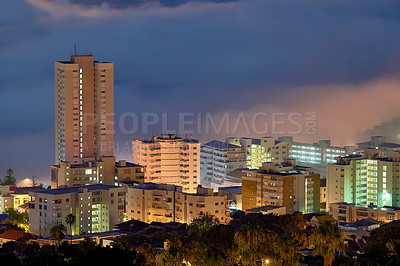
[[339, 59]]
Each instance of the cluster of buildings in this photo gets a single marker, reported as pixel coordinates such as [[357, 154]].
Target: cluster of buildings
[[174, 179]]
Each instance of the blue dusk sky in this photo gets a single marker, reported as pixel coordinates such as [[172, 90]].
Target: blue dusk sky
[[339, 60]]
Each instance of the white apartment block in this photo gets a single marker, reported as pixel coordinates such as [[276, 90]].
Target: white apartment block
[[97, 208], [217, 160], [169, 159], [168, 203]]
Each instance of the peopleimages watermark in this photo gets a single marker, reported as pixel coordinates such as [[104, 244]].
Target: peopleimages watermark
[[260, 123]]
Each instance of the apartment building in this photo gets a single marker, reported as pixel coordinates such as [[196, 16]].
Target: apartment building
[[350, 212], [97, 208], [104, 171], [323, 193], [255, 150], [152, 202], [315, 155], [365, 179], [217, 159], [295, 187], [84, 109], [10, 197], [169, 159]]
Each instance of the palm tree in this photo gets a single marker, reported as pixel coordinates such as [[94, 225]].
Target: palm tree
[[9, 179], [327, 239], [287, 249], [250, 244], [58, 232], [70, 220]]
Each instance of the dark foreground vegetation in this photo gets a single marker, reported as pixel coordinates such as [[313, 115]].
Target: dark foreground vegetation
[[252, 239]]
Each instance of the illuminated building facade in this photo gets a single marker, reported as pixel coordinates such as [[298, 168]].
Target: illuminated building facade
[[97, 208], [295, 187], [84, 110], [365, 180], [169, 159], [315, 155], [10, 198], [350, 212], [217, 159], [165, 203], [104, 171], [255, 150]]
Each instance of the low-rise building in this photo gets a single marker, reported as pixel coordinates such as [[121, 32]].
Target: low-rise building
[[350, 212], [234, 196], [13, 197], [97, 208], [104, 171], [295, 187], [164, 203]]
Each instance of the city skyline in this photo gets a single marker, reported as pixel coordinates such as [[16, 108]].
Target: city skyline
[[263, 63]]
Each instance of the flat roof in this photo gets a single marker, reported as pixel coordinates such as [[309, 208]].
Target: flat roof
[[233, 189], [59, 191], [221, 145], [264, 208]]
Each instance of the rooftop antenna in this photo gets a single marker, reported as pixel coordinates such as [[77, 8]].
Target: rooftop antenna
[[74, 49]]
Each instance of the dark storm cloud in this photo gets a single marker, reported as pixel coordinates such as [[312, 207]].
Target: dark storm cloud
[[187, 56]]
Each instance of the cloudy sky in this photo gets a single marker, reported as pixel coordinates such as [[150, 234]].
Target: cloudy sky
[[339, 60]]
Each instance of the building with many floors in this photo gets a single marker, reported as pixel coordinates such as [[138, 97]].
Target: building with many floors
[[315, 155], [84, 109], [256, 150], [97, 208], [103, 171], [295, 187], [169, 159], [217, 160], [365, 179], [165, 203]]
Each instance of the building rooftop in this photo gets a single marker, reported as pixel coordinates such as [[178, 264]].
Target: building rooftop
[[264, 208], [234, 189], [383, 145], [77, 189], [127, 164], [221, 145], [4, 217], [170, 137], [15, 234]]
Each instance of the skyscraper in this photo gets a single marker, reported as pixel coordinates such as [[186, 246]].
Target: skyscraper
[[84, 109]]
